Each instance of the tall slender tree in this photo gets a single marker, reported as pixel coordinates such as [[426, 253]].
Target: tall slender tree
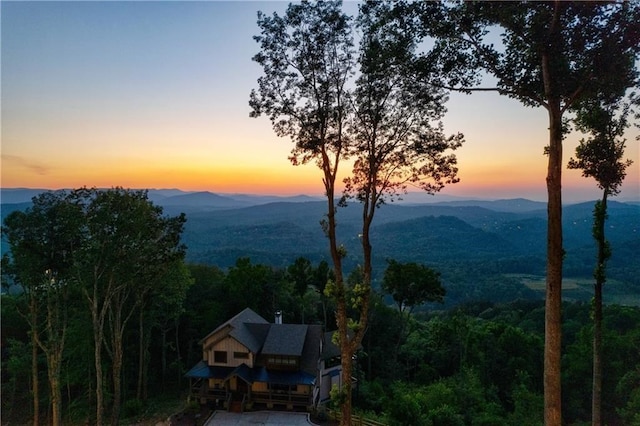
[[398, 140], [42, 240], [307, 59], [600, 156], [126, 244], [335, 105], [553, 55]]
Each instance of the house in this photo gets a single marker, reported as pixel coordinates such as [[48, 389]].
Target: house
[[248, 362]]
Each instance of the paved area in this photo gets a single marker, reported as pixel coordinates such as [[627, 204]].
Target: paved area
[[265, 418]]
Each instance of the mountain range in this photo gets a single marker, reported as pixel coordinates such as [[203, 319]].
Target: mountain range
[[478, 245]]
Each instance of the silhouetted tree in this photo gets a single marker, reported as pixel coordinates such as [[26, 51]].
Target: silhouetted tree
[[383, 119], [411, 284], [43, 240], [126, 244], [553, 55], [601, 157], [307, 59]]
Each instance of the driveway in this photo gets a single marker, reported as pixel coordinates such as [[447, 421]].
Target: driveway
[[266, 418]]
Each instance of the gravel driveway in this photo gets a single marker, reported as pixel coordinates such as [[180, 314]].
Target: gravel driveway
[[266, 418]]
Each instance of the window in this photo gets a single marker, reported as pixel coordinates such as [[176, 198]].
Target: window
[[220, 357], [282, 362], [241, 355], [282, 388]]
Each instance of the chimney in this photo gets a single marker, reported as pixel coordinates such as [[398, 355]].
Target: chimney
[[278, 317]]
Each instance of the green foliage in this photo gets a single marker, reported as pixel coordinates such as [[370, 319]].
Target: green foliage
[[110, 248], [628, 389], [16, 366], [458, 400], [411, 284], [253, 285], [600, 156], [528, 406], [133, 407], [406, 405], [338, 396]]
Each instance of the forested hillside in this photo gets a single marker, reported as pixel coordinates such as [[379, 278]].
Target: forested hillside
[[479, 361], [477, 245], [475, 248]]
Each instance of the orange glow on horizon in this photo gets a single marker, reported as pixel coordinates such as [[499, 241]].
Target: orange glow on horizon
[[247, 179]]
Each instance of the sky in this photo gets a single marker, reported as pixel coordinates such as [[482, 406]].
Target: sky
[[145, 94]]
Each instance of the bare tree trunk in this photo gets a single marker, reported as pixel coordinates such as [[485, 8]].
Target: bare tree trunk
[[600, 216], [98, 313], [555, 255], [56, 327], [98, 337], [54, 384], [176, 324], [555, 250], [596, 401], [117, 379], [117, 323], [35, 383], [340, 290], [164, 356], [141, 351]]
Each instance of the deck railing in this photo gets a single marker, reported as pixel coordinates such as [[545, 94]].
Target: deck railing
[[280, 398], [201, 389], [356, 420]]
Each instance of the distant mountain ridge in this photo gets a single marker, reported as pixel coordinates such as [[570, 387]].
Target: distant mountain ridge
[[177, 197], [173, 197], [474, 243]]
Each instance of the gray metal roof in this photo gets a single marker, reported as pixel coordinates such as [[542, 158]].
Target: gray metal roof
[[239, 331], [311, 352], [285, 339], [260, 336], [252, 335]]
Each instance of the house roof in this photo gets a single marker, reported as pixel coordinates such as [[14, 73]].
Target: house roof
[[285, 339], [262, 337], [261, 374], [311, 351], [250, 336], [204, 371], [250, 375]]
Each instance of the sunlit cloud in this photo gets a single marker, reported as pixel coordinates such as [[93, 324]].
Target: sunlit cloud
[[25, 163]]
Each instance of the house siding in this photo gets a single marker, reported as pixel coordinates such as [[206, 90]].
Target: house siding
[[230, 346]]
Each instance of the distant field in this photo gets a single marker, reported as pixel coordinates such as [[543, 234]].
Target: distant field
[[581, 289]]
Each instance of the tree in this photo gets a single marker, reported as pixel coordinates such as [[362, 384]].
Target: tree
[[600, 157], [160, 306], [322, 275], [411, 284], [253, 286], [300, 273], [307, 59], [384, 124], [42, 241], [205, 304], [127, 244], [553, 55]]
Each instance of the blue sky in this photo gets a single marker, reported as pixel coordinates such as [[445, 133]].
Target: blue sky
[[155, 94]]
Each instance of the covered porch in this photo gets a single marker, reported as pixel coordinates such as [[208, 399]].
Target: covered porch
[[242, 387]]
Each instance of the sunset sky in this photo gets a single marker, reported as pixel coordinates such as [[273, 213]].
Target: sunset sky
[[155, 95]]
